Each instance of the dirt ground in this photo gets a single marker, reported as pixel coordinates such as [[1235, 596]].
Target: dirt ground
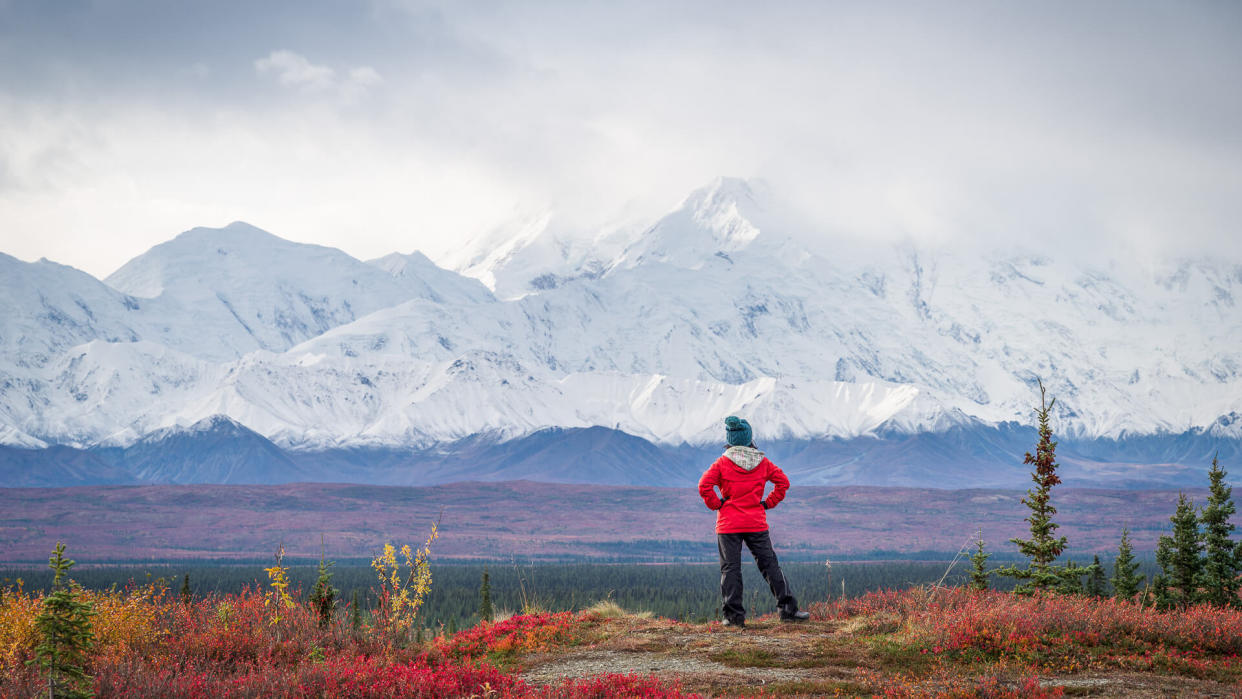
[[815, 659]]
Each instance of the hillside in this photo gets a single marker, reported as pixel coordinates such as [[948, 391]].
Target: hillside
[[542, 521]]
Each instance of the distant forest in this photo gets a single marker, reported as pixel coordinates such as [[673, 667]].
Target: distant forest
[[683, 591]]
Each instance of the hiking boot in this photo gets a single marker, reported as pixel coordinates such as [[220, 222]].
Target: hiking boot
[[796, 617], [738, 624]]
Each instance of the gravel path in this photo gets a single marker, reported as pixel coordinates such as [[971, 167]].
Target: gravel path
[[592, 662]]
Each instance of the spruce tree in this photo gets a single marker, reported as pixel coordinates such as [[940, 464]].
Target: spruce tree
[[65, 636], [323, 595], [1125, 580], [1220, 562], [486, 613], [1070, 579], [1097, 586], [1160, 596], [978, 570], [1237, 555], [187, 595], [1180, 558], [355, 614], [1043, 547]]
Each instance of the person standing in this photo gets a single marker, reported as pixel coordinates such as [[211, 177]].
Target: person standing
[[742, 474]]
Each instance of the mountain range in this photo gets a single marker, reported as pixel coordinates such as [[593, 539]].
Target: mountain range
[[231, 355]]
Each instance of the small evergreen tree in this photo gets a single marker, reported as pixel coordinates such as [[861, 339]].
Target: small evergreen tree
[[1070, 579], [1220, 560], [187, 595], [1043, 547], [452, 627], [1179, 558], [1097, 586], [1125, 580], [1160, 597], [65, 636], [978, 570], [486, 613], [355, 614], [323, 595]]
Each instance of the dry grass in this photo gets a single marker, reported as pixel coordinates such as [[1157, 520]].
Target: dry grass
[[609, 609]]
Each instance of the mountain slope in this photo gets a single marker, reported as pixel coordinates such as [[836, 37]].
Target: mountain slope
[[48, 308], [214, 450], [229, 291], [427, 281], [727, 304], [57, 466]]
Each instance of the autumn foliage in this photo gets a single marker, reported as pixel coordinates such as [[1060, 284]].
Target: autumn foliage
[[1050, 632], [151, 643], [403, 588], [957, 642]]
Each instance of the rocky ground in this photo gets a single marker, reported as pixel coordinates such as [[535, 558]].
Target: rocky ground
[[815, 659]]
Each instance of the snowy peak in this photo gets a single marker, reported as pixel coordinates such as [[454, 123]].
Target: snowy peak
[[199, 256], [537, 253], [398, 265], [500, 248], [713, 223], [221, 425], [731, 209], [532, 255], [430, 282], [239, 289], [208, 260]]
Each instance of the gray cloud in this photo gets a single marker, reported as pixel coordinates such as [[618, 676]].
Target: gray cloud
[[1104, 128], [293, 70]]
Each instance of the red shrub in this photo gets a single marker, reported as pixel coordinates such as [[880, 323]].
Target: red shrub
[[519, 634], [345, 677], [1051, 631], [614, 687]]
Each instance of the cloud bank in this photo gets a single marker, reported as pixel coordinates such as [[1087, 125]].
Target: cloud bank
[[1102, 129]]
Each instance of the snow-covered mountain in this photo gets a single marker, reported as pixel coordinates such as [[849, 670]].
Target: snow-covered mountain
[[47, 308], [728, 304], [222, 293]]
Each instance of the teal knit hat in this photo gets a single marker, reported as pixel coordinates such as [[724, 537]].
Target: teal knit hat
[[737, 432]]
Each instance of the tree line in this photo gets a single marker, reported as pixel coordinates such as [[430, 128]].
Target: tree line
[[1198, 562]]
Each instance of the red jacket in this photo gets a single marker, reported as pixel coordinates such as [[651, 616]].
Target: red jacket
[[742, 490]]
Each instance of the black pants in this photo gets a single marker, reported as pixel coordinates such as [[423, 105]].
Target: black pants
[[760, 545]]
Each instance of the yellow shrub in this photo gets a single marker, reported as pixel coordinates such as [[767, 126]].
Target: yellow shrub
[[402, 593], [278, 597], [17, 631], [126, 619], [123, 620]]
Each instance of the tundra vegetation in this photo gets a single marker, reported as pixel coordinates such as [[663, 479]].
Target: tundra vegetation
[[1061, 630]]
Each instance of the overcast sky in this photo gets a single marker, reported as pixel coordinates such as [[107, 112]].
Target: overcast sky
[[392, 126]]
